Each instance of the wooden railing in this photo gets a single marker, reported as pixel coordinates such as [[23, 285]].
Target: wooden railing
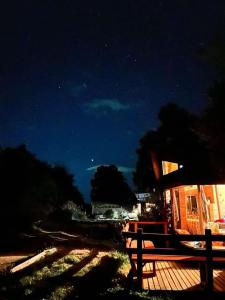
[[141, 224], [205, 256]]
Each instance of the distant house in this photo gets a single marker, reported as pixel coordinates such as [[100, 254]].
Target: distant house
[[145, 202], [105, 210]]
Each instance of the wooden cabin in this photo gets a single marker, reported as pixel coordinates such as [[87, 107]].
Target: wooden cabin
[[197, 199]]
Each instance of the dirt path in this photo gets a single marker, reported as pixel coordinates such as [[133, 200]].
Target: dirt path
[[7, 260]]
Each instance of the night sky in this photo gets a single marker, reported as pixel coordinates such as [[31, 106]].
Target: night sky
[[82, 81]]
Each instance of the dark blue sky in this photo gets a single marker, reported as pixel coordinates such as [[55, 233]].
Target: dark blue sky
[[82, 81]]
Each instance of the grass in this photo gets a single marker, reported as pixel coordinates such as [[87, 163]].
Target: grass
[[86, 271], [93, 269], [55, 269], [80, 274]]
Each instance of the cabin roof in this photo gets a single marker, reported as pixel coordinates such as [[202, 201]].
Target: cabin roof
[[191, 176]]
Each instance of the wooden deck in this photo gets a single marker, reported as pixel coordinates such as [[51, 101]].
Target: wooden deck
[[176, 277]]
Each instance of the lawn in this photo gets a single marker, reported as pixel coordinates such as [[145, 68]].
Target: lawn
[[71, 274], [80, 267]]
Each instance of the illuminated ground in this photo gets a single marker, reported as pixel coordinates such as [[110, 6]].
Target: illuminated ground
[[84, 268], [79, 268]]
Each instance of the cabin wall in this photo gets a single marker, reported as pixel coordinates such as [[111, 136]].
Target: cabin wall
[[190, 222], [183, 212], [221, 199], [193, 226], [187, 222], [195, 221]]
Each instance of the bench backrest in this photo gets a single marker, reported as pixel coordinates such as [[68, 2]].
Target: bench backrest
[[206, 239]]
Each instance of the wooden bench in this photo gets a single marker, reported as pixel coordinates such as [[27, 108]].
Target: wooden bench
[[206, 257]]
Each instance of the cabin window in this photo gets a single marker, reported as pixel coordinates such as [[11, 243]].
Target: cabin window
[[192, 208]]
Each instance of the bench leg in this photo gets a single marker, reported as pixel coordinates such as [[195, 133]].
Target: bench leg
[[154, 269]]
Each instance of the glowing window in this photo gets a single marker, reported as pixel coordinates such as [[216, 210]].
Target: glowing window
[[192, 207], [169, 167]]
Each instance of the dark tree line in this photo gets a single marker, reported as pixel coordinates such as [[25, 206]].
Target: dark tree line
[[31, 189]]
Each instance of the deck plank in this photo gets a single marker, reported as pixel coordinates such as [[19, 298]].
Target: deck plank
[[190, 275], [185, 283], [173, 276], [176, 278], [162, 278], [219, 280], [166, 266], [172, 273], [195, 273]]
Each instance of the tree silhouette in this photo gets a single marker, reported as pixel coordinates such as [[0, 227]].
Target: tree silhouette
[[212, 116], [30, 188], [144, 177], [176, 139], [213, 125], [180, 138], [109, 186], [213, 54], [66, 191]]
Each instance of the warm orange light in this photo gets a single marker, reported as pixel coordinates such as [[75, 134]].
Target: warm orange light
[[169, 167]]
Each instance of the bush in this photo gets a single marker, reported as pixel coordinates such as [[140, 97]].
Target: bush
[[109, 214], [61, 215]]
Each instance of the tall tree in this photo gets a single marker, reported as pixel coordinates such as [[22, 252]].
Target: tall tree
[[66, 190], [212, 117], [176, 139], [180, 138], [144, 177], [109, 186]]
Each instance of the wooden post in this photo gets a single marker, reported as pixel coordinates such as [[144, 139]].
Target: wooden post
[[217, 202], [135, 226], [165, 227], [172, 210], [199, 203], [139, 258], [209, 267]]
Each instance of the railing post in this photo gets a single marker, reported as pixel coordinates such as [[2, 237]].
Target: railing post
[[135, 226], [139, 258], [209, 266]]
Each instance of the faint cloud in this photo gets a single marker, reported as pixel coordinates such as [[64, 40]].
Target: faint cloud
[[120, 168], [125, 169], [94, 168], [105, 105]]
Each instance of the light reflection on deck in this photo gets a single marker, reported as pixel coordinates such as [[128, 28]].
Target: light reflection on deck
[[172, 276]]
